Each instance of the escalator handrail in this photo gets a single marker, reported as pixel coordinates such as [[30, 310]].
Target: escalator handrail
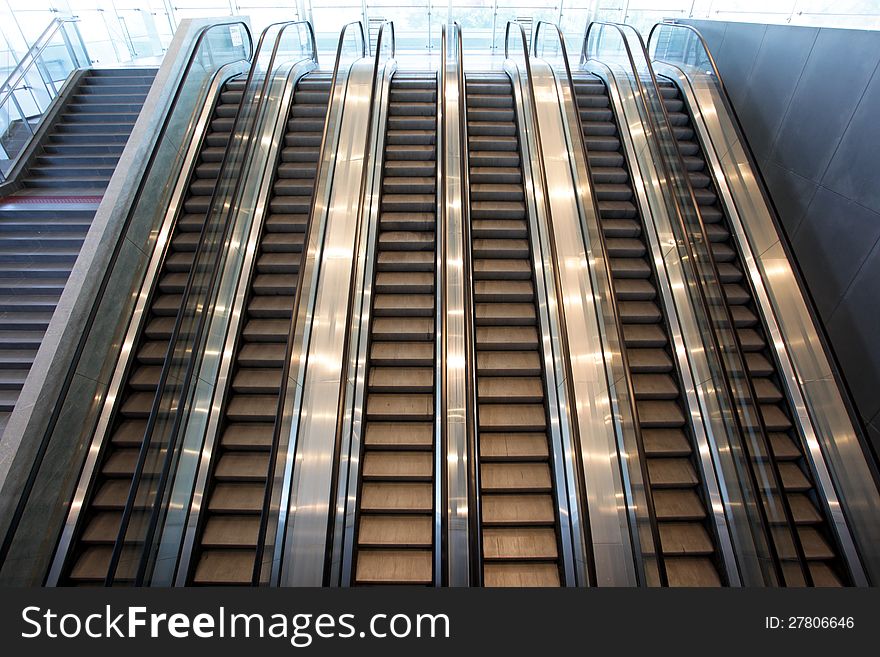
[[228, 211], [737, 352], [474, 491], [320, 173], [643, 466], [108, 271], [810, 303]]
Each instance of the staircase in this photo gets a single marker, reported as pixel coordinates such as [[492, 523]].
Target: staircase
[[43, 224]]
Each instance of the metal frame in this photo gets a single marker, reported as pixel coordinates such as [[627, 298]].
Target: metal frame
[[471, 451], [457, 361]]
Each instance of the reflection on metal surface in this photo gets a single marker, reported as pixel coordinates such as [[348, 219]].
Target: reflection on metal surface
[[455, 408], [324, 383], [352, 420], [614, 493], [303, 322]]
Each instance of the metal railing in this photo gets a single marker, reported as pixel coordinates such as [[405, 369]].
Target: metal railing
[[33, 84]]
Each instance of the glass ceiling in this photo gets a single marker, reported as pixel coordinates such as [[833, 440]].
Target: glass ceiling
[[122, 30]]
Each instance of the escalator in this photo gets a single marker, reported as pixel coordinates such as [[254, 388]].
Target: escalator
[[101, 516], [43, 223], [226, 543], [519, 528], [806, 508], [687, 540], [395, 534]]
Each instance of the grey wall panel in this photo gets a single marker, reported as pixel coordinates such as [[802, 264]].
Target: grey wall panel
[[713, 33], [792, 193], [825, 99], [769, 89], [854, 171], [854, 326], [740, 47], [835, 237], [809, 102]]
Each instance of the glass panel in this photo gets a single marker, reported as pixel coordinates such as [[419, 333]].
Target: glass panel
[[32, 85]]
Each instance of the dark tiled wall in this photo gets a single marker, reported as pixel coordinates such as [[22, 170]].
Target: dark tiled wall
[[809, 101]]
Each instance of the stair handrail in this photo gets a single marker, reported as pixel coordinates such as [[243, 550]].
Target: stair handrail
[[34, 52], [23, 68]]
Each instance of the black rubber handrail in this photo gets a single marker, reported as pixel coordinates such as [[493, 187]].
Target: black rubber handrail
[[735, 349], [615, 314], [102, 288]]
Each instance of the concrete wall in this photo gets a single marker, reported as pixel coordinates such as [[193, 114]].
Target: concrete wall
[[809, 101]]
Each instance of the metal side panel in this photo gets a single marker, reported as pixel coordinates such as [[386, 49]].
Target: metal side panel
[[199, 432], [589, 351], [138, 317], [563, 429], [831, 439], [710, 412], [456, 335], [323, 360]]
